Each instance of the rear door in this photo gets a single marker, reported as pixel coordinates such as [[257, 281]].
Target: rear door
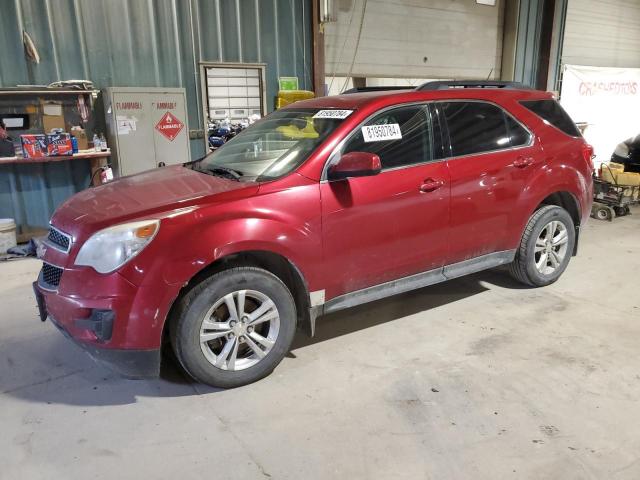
[[394, 224], [492, 157]]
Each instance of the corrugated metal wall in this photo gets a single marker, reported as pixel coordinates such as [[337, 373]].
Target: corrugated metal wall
[[29, 193], [154, 43], [602, 34]]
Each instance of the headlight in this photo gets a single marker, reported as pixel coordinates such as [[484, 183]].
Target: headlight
[[109, 249]]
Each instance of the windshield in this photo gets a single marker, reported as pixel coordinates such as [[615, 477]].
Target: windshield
[[273, 146]]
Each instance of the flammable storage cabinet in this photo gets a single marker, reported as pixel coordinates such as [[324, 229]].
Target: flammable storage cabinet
[[147, 127]]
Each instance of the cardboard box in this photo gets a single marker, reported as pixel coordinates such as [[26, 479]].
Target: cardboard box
[[59, 144], [34, 146], [608, 175], [81, 135], [610, 171], [628, 192], [616, 166], [628, 178], [52, 116]]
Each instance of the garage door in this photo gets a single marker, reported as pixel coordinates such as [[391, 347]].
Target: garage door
[[602, 33], [414, 38], [234, 92]]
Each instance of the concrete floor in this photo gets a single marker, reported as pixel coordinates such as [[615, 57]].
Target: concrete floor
[[476, 378]]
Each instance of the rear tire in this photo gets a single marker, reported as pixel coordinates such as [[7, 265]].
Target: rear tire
[[545, 248], [234, 327]]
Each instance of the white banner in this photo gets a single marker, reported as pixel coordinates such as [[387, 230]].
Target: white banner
[[608, 100]]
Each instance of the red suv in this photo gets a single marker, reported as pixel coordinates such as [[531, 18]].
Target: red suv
[[320, 206]]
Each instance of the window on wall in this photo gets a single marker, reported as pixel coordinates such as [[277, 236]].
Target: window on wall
[[234, 92], [411, 142]]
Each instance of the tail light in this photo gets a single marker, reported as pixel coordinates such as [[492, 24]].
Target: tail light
[[587, 154]]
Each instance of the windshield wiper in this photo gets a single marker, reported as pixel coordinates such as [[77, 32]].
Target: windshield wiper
[[223, 172]]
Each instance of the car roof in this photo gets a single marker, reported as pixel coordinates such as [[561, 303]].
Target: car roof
[[354, 101]]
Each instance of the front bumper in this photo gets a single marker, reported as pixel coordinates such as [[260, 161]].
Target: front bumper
[[116, 322], [136, 313], [131, 363]]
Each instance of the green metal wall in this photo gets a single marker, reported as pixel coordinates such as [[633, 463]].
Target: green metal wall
[[154, 43]]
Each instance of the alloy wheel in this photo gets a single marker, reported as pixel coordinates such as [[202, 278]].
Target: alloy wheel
[[239, 330], [551, 247]]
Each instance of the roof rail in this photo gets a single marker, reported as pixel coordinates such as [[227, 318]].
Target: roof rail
[[375, 89], [447, 84]]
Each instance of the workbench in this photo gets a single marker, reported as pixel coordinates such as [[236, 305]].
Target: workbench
[[83, 155], [32, 188]]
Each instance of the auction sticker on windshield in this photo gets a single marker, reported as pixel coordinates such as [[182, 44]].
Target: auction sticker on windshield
[[381, 133], [337, 114]]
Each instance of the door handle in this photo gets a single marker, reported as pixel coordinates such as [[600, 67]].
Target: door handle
[[522, 162], [431, 185]]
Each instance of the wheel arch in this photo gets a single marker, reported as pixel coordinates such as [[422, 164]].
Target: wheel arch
[[275, 263], [568, 201]]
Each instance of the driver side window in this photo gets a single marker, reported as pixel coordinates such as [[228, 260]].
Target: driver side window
[[404, 140]]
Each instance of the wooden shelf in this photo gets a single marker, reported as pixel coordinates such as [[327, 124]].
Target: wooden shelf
[[77, 156], [45, 91]]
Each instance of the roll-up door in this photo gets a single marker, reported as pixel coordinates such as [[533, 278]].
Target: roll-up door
[[414, 39], [235, 93], [602, 33]]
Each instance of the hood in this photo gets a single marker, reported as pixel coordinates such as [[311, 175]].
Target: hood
[[160, 190]]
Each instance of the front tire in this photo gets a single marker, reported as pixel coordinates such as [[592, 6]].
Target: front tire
[[234, 328], [545, 248]]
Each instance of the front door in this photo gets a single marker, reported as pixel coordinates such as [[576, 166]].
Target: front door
[[390, 225]]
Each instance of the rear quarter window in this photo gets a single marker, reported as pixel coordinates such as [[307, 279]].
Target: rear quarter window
[[552, 112]]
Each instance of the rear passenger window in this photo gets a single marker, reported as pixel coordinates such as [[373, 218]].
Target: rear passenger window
[[411, 142], [475, 127], [553, 113]]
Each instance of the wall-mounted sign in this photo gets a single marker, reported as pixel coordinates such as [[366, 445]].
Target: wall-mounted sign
[[169, 126], [288, 83]]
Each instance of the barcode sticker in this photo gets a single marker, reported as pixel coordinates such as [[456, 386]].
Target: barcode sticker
[[337, 114], [381, 133]]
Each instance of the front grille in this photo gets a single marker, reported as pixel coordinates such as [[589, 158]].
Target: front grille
[[62, 240], [51, 275]]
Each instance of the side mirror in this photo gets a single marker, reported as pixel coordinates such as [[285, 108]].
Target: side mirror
[[355, 164]]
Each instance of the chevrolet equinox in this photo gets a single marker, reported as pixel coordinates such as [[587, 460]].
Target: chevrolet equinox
[[322, 205]]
